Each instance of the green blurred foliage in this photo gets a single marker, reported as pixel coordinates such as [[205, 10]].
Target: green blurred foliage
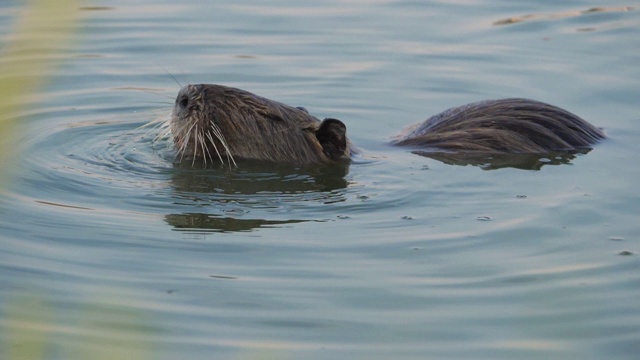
[[43, 30]]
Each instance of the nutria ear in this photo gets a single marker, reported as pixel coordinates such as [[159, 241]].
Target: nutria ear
[[332, 135]]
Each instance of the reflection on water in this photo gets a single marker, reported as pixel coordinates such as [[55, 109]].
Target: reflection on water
[[499, 161], [230, 196], [212, 223], [255, 178]]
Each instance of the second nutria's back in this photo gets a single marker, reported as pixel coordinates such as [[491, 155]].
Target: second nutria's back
[[502, 126]]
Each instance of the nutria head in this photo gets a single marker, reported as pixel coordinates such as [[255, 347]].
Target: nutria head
[[218, 122]]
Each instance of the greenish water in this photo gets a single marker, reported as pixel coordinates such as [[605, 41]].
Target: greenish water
[[107, 246]]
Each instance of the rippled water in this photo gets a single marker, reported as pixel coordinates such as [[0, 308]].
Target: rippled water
[[108, 247]]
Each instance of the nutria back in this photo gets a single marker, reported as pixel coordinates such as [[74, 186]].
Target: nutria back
[[502, 126]]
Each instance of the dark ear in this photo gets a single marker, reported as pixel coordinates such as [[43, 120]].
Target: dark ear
[[332, 135]]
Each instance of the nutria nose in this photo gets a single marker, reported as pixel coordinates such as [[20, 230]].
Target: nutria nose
[[183, 101], [186, 94]]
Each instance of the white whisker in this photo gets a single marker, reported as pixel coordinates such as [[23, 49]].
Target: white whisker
[[206, 148], [218, 133], [202, 146], [162, 120], [215, 147], [195, 146], [157, 93], [162, 135], [173, 77], [183, 146]]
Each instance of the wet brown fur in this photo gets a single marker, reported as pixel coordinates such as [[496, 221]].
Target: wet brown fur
[[225, 122], [213, 121], [502, 126]]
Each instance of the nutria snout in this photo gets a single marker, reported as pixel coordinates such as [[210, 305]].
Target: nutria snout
[[215, 121]]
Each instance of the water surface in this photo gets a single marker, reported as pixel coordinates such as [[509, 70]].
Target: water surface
[[108, 247]]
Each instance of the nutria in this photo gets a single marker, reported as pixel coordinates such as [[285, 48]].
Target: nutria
[[217, 121]]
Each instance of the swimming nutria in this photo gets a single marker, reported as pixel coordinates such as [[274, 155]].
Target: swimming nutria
[[225, 122], [215, 120]]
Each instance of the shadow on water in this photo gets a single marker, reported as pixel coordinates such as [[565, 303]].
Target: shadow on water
[[229, 197]]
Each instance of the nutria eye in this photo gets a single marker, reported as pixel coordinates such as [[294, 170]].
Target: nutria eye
[[184, 102]]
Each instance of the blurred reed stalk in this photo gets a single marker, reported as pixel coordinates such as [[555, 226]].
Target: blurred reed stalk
[[28, 55]]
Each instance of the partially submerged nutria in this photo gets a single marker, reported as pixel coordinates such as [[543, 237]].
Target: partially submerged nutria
[[217, 121], [214, 121]]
